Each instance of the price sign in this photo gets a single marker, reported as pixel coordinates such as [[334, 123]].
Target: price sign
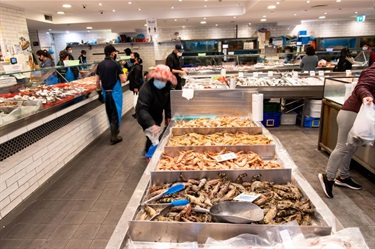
[[295, 74], [321, 72], [226, 157], [240, 74], [270, 73], [255, 74], [249, 197], [312, 73]]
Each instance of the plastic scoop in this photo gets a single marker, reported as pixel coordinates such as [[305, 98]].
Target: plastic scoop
[[174, 189], [168, 208], [234, 212]]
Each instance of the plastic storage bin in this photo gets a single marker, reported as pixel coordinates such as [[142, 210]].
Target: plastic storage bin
[[288, 118], [271, 107], [314, 108], [271, 119], [311, 122]]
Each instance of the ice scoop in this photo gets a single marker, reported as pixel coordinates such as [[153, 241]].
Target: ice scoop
[[174, 189], [234, 212]]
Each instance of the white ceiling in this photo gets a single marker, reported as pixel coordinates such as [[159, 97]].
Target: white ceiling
[[130, 17]]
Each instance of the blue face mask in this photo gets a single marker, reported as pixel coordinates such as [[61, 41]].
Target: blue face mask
[[159, 84]]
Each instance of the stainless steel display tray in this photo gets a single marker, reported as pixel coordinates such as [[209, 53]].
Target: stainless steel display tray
[[159, 231], [266, 151], [177, 131]]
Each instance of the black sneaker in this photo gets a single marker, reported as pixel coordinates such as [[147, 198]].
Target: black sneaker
[[326, 185], [115, 141], [347, 182]]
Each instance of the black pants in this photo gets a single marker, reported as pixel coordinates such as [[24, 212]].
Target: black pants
[[111, 111]]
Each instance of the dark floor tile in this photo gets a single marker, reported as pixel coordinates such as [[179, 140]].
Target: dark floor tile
[[74, 217], [109, 195], [105, 231], [32, 244], [10, 243], [78, 244], [64, 231], [75, 194], [113, 217], [114, 186], [94, 217], [99, 244], [119, 205], [86, 231], [102, 205], [30, 231], [55, 244], [81, 205], [52, 205], [52, 218]]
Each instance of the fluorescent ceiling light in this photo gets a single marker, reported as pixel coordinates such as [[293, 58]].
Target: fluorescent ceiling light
[[271, 7], [322, 17], [263, 20], [203, 22], [113, 10], [338, 1], [60, 12], [67, 5], [88, 27]]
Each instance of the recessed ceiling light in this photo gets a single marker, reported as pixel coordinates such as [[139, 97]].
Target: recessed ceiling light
[[325, 13], [180, 0], [100, 4], [264, 16], [235, 17], [338, 1], [67, 5], [60, 12], [204, 18], [356, 12], [216, 25], [270, 7], [249, 23], [129, 2], [113, 10], [277, 2], [175, 20], [322, 17], [263, 20], [205, 6], [88, 27], [203, 22], [172, 7], [307, 1], [139, 9], [295, 14], [145, 25], [49, 29], [183, 26]]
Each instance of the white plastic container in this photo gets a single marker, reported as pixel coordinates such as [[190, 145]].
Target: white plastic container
[[288, 118]]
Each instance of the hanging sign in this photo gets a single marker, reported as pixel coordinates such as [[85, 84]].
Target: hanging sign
[[152, 28], [361, 18]]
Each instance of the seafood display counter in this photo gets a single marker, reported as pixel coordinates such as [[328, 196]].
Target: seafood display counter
[[282, 192], [336, 92]]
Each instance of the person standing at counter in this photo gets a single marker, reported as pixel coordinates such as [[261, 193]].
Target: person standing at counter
[[108, 82], [340, 158], [154, 99], [69, 49], [366, 47], [173, 62], [67, 74], [345, 61], [310, 60], [135, 77], [46, 60]]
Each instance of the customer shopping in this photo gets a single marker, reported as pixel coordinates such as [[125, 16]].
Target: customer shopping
[[345, 61], [135, 77], [173, 62], [154, 99], [66, 74], [309, 61], [340, 158], [108, 83]]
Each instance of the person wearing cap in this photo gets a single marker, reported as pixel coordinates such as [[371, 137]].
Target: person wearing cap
[[173, 63], [108, 82], [154, 99]]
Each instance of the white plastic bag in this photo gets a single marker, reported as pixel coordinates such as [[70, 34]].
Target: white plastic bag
[[363, 130], [135, 99]]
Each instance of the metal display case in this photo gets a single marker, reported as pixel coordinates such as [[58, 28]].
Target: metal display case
[[220, 102], [336, 90]]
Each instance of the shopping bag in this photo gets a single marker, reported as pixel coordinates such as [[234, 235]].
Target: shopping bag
[[363, 130], [135, 99]]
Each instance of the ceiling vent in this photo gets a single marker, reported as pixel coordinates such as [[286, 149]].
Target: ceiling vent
[[319, 6], [48, 18]]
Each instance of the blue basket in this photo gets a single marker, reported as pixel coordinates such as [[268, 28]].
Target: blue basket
[[311, 122], [271, 119]]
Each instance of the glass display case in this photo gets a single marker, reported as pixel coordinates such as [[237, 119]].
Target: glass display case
[[24, 93], [336, 91]]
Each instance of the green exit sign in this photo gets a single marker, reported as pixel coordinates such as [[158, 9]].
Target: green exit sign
[[361, 18]]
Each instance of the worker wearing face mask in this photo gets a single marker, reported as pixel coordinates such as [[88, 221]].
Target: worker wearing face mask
[[368, 49], [173, 62], [108, 84], [69, 49], [154, 99]]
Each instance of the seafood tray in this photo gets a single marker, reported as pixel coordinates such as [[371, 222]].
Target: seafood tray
[[209, 160], [222, 121], [177, 231], [266, 151], [178, 131]]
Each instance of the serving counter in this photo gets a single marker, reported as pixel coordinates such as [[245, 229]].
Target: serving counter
[[129, 228]]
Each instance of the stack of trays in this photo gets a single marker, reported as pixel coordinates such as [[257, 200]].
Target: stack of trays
[[191, 157]]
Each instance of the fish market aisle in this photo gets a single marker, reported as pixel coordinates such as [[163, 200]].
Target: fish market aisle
[[82, 207]]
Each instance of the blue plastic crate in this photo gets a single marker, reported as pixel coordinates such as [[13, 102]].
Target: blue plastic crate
[[271, 119], [311, 122]]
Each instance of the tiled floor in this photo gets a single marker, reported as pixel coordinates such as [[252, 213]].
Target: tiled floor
[[81, 209]]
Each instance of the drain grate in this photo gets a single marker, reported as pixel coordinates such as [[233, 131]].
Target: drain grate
[[28, 138]]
